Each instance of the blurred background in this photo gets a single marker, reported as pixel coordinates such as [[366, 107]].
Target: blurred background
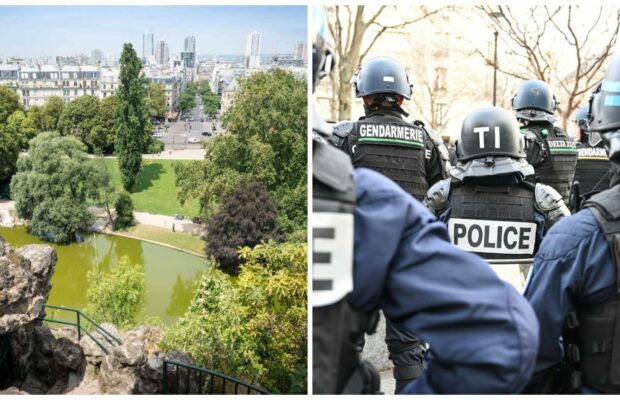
[[460, 57]]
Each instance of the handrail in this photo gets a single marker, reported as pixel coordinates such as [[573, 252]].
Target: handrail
[[79, 315], [177, 365]]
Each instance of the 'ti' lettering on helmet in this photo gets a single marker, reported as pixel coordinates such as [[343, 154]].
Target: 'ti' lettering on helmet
[[481, 130], [498, 237]]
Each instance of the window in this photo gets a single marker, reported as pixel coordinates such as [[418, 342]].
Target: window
[[75, 92], [75, 83], [65, 75]]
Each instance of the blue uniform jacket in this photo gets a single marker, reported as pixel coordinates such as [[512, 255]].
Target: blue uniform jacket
[[573, 266], [483, 334]]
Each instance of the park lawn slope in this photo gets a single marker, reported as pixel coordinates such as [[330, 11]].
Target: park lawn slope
[[154, 191], [181, 240]]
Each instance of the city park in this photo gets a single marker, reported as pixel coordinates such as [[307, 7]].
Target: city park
[[78, 176]]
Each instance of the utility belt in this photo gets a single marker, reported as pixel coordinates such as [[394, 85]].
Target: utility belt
[[365, 378], [566, 378]]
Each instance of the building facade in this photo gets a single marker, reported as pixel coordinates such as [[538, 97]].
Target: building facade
[[38, 84]]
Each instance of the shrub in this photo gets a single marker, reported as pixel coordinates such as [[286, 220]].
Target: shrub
[[124, 212], [247, 217], [117, 296]]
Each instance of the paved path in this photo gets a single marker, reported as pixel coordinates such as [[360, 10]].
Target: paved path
[[6, 220], [164, 221]]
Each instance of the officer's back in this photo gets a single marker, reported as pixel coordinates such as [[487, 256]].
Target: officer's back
[[549, 149], [489, 207]]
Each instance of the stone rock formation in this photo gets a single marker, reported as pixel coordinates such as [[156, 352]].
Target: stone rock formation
[[35, 359]]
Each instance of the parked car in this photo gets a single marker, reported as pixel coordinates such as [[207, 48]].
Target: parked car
[[157, 135], [206, 133], [167, 126], [193, 140]]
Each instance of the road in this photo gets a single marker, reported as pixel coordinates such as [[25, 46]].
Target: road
[[178, 135]]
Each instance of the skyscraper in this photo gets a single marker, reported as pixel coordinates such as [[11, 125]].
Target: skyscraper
[[190, 44], [252, 50], [301, 51], [162, 52], [148, 45]]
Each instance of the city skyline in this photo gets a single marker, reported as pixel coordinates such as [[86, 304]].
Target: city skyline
[[71, 30]]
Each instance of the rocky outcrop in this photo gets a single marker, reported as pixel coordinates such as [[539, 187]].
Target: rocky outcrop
[[38, 360], [24, 283]]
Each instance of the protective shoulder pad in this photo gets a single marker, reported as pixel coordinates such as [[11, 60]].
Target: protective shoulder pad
[[559, 131], [436, 199], [342, 129], [549, 202], [441, 148]]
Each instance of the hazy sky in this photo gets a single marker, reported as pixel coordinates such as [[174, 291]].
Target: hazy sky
[[28, 31]]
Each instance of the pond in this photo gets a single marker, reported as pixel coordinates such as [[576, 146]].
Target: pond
[[169, 273]]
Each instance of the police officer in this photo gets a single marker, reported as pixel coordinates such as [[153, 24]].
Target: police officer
[[397, 256], [410, 154], [489, 207], [593, 166], [574, 283], [549, 149]]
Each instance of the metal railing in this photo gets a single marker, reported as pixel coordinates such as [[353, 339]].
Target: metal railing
[[79, 324], [204, 381]]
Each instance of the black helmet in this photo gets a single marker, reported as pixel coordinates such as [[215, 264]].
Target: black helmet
[[490, 131], [382, 75], [322, 56], [604, 114], [581, 117], [534, 100]]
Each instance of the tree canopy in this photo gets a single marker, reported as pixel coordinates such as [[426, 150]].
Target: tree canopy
[[156, 100], [52, 186], [9, 103], [265, 141]]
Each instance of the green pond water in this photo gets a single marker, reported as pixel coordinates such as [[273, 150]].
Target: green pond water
[[169, 273]]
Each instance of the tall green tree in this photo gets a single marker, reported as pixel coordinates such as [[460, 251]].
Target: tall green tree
[[52, 111], [9, 103], [132, 117], [103, 135], [21, 128], [53, 185], [9, 151], [79, 118], [186, 101], [157, 100]]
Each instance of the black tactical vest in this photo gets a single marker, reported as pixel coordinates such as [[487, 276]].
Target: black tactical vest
[[495, 222], [337, 329], [593, 169], [390, 145], [598, 326], [554, 157]]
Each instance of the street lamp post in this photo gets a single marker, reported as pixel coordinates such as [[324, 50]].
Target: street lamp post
[[495, 71]]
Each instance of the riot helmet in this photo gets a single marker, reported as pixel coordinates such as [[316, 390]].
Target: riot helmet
[[534, 101], [322, 54], [604, 116], [382, 75], [581, 118], [490, 131]]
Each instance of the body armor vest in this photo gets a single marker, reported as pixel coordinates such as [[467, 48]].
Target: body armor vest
[[390, 145], [337, 329], [495, 222], [593, 169], [553, 155], [598, 326]]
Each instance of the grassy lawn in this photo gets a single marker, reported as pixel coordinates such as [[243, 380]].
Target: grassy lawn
[[155, 191], [177, 239]]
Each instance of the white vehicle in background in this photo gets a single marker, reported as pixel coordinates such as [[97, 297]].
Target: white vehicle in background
[[193, 140]]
